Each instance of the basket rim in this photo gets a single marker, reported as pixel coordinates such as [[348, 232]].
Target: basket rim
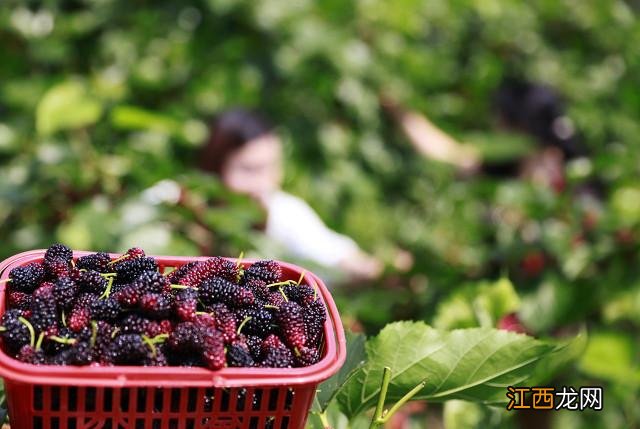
[[174, 376]]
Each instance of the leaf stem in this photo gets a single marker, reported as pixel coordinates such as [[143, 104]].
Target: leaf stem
[[387, 414], [377, 415], [324, 420]]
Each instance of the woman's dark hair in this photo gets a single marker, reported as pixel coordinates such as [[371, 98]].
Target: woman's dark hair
[[536, 109], [229, 131]]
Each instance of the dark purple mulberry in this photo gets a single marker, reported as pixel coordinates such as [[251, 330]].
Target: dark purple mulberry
[[314, 315], [65, 291], [219, 290], [105, 309], [44, 313], [15, 334], [156, 305], [239, 356], [130, 269], [152, 282], [278, 357], [95, 262], [266, 270], [27, 278], [260, 322], [128, 349], [58, 251], [92, 282]]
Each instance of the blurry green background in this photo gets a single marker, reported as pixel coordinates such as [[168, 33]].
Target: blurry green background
[[104, 104]]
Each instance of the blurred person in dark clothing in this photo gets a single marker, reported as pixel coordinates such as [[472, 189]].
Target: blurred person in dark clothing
[[245, 152], [533, 109]]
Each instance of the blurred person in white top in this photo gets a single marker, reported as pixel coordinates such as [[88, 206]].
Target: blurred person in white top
[[246, 154]]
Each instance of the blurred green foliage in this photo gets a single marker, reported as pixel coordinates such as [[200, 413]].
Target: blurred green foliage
[[104, 103]]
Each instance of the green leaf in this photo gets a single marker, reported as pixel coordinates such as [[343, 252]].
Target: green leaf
[[67, 105], [473, 364], [481, 304], [135, 118], [566, 353], [355, 359], [612, 356]]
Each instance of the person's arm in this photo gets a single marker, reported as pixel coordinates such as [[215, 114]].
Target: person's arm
[[431, 141], [298, 228]]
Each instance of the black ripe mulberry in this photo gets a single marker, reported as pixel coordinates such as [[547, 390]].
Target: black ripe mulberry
[[302, 294], [219, 290], [96, 261], [58, 251], [44, 313], [278, 357], [129, 269], [314, 315], [152, 282], [105, 309], [91, 281], [65, 290], [267, 271], [128, 349], [259, 321], [239, 356], [15, 334], [27, 278], [307, 356]]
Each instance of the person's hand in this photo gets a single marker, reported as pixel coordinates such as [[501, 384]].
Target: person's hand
[[402, 260], [362, 266]]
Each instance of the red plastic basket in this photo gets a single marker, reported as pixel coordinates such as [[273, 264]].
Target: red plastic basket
[[94, 397]]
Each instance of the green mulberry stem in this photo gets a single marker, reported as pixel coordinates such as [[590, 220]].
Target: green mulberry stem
[[94, 332], [302, 274], [283, 294], [29, 326], [160, 338], [149, 343], [283, 283], [107, 274], [68, 341], [244, 322], [183, 287], [39, 342], [107, 291], [121, 258]]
